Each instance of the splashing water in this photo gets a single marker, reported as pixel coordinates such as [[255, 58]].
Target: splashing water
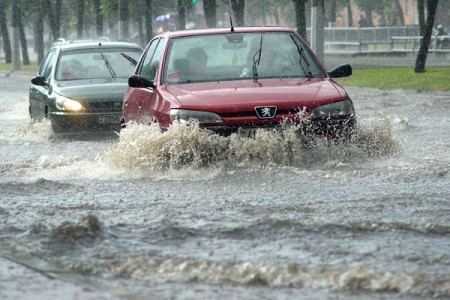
[[34, 131], [147, 148], [379, 140]]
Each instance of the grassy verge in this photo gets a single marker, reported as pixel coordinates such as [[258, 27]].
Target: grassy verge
[[434, 79], [31, 68]]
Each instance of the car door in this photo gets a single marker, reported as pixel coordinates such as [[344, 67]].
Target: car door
[[136, 101], [150, 71], [38, 94]]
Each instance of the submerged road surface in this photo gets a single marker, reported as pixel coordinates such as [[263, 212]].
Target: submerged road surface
[[185, 215]]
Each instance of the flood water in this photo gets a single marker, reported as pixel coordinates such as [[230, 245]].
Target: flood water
[[186, 215]]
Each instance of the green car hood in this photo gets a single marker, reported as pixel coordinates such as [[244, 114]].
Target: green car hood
[[93, 90]]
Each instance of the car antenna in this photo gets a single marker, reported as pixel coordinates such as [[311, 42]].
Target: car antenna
[[231, 22], [231, 19]]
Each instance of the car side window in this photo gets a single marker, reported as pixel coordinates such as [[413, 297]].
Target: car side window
[[152, 59], [47, 65], [148, 56]]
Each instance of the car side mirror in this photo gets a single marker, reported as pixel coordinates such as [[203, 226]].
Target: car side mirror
[[39, 80], [341, 71], [137, 81]]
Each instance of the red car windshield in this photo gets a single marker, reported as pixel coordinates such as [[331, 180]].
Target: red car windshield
[[235, 56]]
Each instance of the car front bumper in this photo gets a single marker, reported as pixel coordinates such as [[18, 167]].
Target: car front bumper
[[339, 128], [66, 121]]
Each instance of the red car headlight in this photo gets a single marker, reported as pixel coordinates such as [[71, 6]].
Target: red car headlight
[[183, 116], [336, 109]]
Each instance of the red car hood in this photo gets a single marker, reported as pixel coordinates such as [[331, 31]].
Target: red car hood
[[231, 96]]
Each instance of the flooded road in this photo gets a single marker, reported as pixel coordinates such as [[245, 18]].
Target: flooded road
[[185, 215]]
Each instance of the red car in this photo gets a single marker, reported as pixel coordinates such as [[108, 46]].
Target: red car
[[237, 80]]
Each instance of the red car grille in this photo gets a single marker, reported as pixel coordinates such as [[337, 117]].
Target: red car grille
[[240, 114]]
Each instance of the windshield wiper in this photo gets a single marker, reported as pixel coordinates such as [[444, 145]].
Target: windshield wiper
[[256, 61], [108, 65], [130, 59], [303, 61]]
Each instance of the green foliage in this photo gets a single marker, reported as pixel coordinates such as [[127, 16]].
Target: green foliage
[[434, 79]]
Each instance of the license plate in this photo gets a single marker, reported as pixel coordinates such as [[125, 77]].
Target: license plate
[[251, 132], [109, 119], [247, 133]]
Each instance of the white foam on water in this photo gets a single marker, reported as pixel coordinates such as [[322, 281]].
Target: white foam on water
[[356, 278], [33, 131], [147, 148], [192, 153]]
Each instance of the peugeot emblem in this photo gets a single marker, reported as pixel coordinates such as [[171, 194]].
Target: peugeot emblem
[[266, 112]]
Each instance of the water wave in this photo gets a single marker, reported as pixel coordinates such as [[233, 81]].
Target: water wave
[[370, 226], [151, 266], [148, 267]]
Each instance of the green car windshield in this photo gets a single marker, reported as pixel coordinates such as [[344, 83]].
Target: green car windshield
[[236, 56], [93, 63]]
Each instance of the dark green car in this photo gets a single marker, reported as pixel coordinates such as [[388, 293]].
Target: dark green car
[[80, 85]]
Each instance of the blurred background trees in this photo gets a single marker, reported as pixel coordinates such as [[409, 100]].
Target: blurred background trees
[[40, 22]]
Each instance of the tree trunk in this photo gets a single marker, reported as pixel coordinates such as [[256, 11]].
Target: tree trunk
[[23, 40], [368, 7], [332, 13], [349, 14], [5, 33], [39, 34], [98, 18], [238, 8], [15, 36], [124, 15], [399, 16], [318, 29], [209, 7], [80, 19], [54, 16], [181, 8], [300, 17], [148, 20], [141, 6], [421, 13], [58, 8], [426, 39]]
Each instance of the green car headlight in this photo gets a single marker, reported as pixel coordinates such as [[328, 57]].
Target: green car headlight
[[64, 103], [183, 116], [336, 109]]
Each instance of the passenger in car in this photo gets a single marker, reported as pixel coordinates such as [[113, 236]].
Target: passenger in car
[[270, 60], [197, 59], [70, 69], [273, 62]]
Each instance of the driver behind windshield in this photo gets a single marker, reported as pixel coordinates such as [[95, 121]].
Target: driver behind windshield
[[197, 60]]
